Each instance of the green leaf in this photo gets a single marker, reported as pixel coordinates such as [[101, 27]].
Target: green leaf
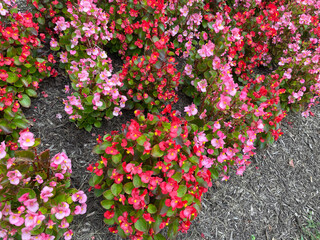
[[12, 77], [60, 198], [159, 236], [181, 191], [177, 176], [24, 155], [108, 195], [116, 189], [129, 38], [107, 204], [25, 101], [117, 158], [137, 181], [128, 187], [173, 228], [141, 225], [141, 140], [215, 173], [156, 152], [21, 123], [194, 159], [152, 208], [31, 92], [41, 20]]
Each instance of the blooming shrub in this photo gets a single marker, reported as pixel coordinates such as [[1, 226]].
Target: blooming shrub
[[20, 69], [36, 200], [150, 177], [151, 79]]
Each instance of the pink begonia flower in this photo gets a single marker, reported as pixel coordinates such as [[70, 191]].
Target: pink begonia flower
[[39, 179], [3, 233], [83, 75], [203, 114], [44, 236], [26, 140], [3, 11], [80, 209], [202, 85], [241, 170], [26, 235], [79, 196], [224, 102], [64, 224], [105, 74], [24, 197], [184, 11], [53, 43], [59, 175], [85, 6], [14, 177], [207, 162], [15, 219], [10, 162], [32, 204], [188, 69], [61, 211], [50, 224], [116, 111], [46, 192], [216, 63], [68, 235], [6, 210], [31, 219], [53, 184], [191, 110], [3, 150], [96, 100], [68, 109]]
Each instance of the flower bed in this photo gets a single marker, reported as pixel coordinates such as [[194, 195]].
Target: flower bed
[[154, 172]]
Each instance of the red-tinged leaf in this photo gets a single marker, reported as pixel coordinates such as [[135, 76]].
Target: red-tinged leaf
[[173, 228], [45, 155]]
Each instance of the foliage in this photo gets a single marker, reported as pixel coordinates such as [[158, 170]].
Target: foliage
[[35, 195], [21, 69], [150, 177]]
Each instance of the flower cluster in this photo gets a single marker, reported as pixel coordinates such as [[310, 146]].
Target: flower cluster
[[151, 176], [20, 70], [36, 201]]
